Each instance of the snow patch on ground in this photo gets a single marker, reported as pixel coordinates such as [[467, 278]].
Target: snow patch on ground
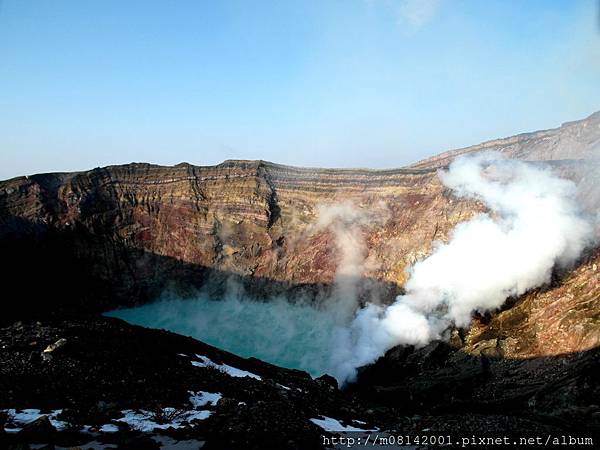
[[144, 420], [24, 416], [199, 415], [202, 398], [333, 425], [141, 420], [229, 370], [109, 428]]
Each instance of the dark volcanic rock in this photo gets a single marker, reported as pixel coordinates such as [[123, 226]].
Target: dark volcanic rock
[[40, 430], [442, 380], [109, 366], [328, 380], [139, 443]]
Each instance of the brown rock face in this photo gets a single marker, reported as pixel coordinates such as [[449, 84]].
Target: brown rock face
[[120, 235], [139, 227], [573, 140], [554, 320]]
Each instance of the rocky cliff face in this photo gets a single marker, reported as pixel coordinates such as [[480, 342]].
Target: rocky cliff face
[[573, 140], [122, 234], [140, 227]]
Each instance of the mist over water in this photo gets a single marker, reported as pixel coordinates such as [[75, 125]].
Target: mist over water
[[299, 334], [292, 335]]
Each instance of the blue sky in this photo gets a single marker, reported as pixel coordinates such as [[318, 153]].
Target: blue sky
[[346, 83]]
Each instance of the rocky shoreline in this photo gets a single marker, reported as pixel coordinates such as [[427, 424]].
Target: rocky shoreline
[[122, 386], [107, 366]]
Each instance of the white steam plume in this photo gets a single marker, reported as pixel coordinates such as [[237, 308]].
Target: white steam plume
[[535, 226], [347, 222]]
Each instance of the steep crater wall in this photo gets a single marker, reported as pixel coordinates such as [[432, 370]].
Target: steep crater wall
[[122, 235]]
